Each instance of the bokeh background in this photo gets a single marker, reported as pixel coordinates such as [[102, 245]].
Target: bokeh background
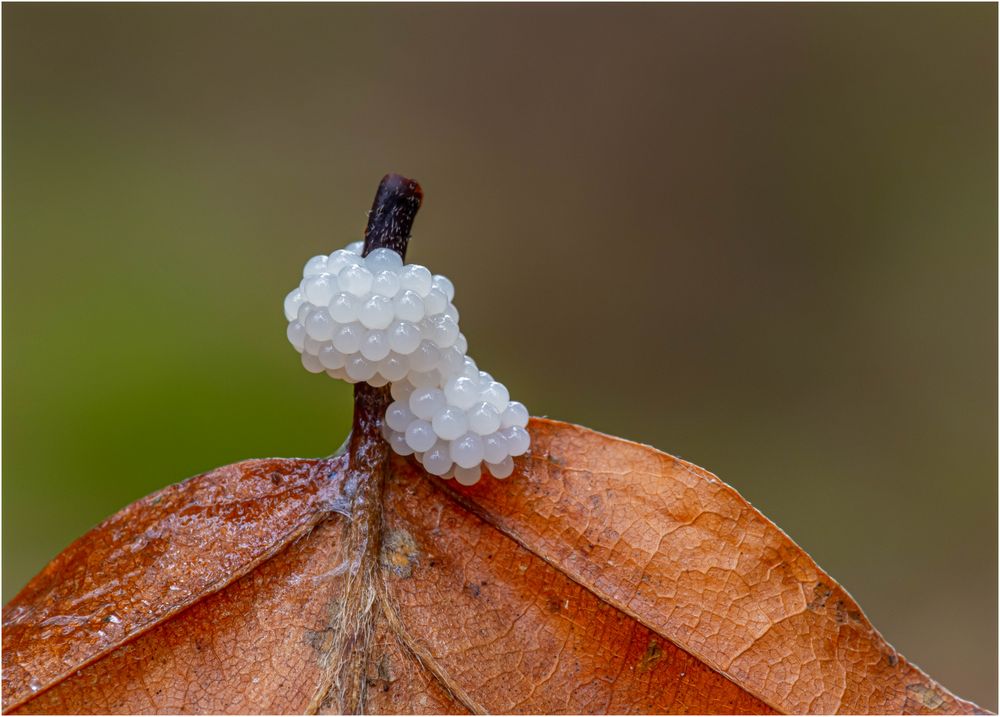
[[763, 238]]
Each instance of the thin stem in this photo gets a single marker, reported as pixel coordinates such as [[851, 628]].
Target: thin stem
[[391, 218], [389, 223], [343, 684]]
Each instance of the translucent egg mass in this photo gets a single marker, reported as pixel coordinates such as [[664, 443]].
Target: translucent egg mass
[[377, 320]]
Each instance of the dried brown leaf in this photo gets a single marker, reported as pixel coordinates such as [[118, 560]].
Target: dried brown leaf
[[603, 576]]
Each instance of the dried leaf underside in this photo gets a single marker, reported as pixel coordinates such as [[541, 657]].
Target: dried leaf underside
[[603, 576]]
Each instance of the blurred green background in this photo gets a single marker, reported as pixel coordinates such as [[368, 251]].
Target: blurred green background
[[786, 215]]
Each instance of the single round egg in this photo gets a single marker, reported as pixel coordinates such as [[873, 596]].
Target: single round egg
[[468, 476], [404, 337], [408, 306], [296, 335], [393, 366], [340, 259], [483, 418], [443, 284], [515, 414], [401, 390], [312, 364], [397, 441], [467, 450], [292, 303], [398, 415], [354, 279], [416, 278], [444, 331], [386, 283], [347, 338], [518, 440], [316, 265], [501, 469], [470, 369], [494, 447], [320, 289], [311, 345], [359, 368], [376, 312], [319, 325], [304, 310], [425, 402], [434, 303], [451, 362], [496, 394], [344, 307], [425, 357], [383, 260], [461, 392], [420, 436], [338, 373], [450, 422], [437, 460], [375, 345], [330, 357]]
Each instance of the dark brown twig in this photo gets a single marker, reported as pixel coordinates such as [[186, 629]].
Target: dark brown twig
[[344, 676], [391, 218], [389, 222]]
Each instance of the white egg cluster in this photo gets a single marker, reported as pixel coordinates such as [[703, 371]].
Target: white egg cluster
[[376, 320]]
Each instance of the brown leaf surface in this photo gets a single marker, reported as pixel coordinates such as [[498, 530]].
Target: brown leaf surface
[[603, 576], [155, 558]]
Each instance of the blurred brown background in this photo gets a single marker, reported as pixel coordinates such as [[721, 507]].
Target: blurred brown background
[[785, 216]]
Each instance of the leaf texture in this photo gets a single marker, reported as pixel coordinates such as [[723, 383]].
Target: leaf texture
[[152, 560], [603, 576]]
